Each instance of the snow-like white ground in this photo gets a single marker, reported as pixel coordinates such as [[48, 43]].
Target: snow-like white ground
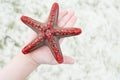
[[96, 50]]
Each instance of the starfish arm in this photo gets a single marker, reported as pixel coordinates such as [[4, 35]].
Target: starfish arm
[[66, 32], [38, 42], [54, 46], [53, 17], [33, 24]]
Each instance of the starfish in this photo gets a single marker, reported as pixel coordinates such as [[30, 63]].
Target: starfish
[[48, 33]]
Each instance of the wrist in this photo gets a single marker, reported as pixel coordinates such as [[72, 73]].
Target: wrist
[[19, 68], [28, 59]]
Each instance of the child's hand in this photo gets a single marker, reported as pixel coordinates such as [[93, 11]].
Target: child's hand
[[43, 54]]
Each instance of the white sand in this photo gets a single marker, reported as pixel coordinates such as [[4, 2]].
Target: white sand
[[96, 50]]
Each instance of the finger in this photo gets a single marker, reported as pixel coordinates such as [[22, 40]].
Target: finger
[[68, 60], [62, 14], [71, 22], [66, 18], [61, 40]]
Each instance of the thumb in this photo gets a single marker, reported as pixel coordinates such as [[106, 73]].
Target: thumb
[[68, 60]]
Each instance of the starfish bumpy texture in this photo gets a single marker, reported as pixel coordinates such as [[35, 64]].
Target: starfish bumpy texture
[[48, 33]]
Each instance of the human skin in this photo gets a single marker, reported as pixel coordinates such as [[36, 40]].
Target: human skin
[[22, 65]]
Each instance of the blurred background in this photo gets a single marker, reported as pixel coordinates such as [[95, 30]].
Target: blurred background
[[96, 50]]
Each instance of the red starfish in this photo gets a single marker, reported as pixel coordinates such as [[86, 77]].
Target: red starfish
[[48, 33]]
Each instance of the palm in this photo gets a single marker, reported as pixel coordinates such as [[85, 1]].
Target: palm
[[43, 54]]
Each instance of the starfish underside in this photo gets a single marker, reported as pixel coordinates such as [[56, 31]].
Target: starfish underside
[[48, 33]]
